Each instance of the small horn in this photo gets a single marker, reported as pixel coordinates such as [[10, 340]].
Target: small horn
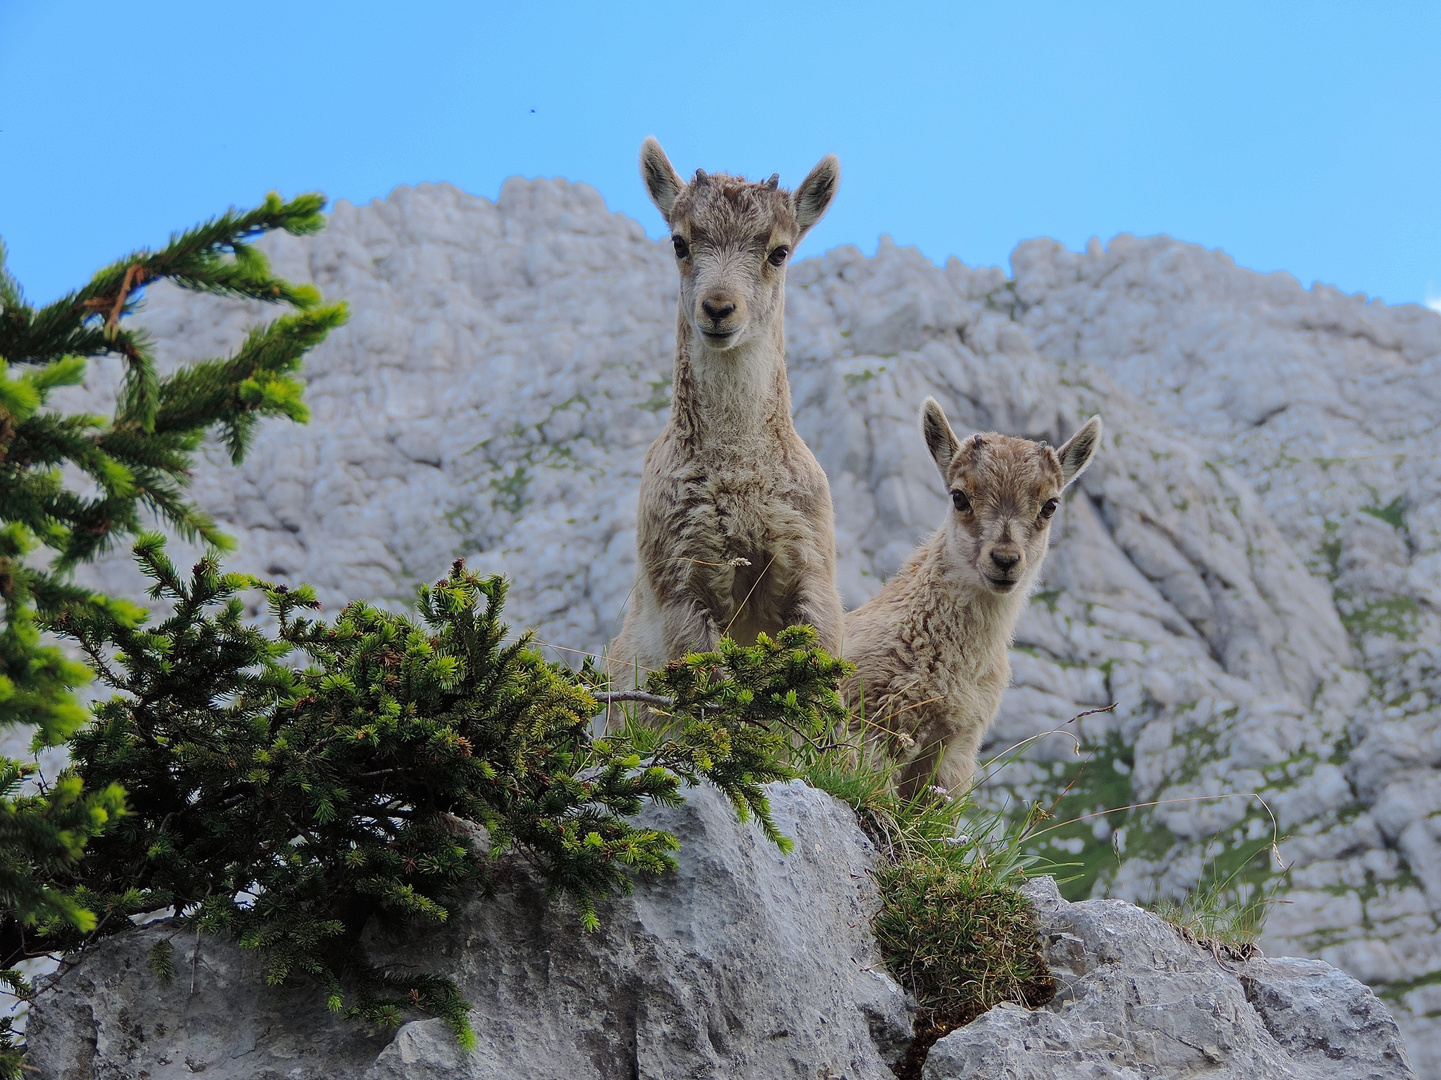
[[700, 177], [978, 442], [774, 182]]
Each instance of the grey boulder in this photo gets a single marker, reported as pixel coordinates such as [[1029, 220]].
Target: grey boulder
[[1136, 999], [744, 963]]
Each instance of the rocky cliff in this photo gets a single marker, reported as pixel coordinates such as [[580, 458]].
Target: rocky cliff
[[745, 963], [1251, 571]]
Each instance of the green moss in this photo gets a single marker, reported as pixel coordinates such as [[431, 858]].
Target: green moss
[[1393, 513], [1006, 300], [1284, 773], [1063, 662], [659, 395], [1200, 741], [510, 488], [1395, 991], [1047, 597], [1394, 617], [858, 378]]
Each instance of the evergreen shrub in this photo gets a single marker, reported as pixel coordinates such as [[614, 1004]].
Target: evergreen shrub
[[288, 788], [133, 462]]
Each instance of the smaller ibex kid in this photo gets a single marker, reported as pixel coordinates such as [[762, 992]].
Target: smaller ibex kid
[[930, 648]]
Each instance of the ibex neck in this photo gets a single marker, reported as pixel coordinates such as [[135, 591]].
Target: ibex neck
[[719, 397]]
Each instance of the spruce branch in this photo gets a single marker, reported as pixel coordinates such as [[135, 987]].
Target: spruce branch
[[47, 528]]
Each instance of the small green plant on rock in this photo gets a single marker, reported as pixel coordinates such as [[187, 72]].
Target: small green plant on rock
[[1222, 914], [953, 925]]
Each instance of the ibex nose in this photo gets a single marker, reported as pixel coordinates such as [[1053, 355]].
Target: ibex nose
[[1004, 559], [717, 309]]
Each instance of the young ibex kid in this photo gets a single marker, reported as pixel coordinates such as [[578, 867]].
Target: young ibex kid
[[734, 531], [930, 648]]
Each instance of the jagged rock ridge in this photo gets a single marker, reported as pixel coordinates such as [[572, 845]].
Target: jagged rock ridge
[[1251, 570], [745, 963]]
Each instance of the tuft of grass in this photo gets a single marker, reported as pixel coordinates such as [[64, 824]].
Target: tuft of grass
[[659, 395], [961, 941], [1225, 914], [1393, 617], [953, 926]]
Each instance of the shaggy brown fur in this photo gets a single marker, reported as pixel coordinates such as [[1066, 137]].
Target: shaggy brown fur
[[930, 648], [734, 532]]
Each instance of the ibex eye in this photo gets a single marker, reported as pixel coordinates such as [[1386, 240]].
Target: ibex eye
[[1049, 508], [682, 249], [778, 255], [960, 502]]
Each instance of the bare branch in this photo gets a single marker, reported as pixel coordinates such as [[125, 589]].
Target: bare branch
[[635, 695]]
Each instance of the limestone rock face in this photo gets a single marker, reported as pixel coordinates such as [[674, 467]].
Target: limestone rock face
[[746, 963], [1137, 1000], [1250, 571]]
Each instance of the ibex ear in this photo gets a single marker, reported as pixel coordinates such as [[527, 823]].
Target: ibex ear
[[813, 197], [940, 439], [662, 182], [1080, 448]]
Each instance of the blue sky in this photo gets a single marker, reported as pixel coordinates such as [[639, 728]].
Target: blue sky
[[1298, 137]]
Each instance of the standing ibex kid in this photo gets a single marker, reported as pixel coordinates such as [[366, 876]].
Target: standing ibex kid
[[734, 531]]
